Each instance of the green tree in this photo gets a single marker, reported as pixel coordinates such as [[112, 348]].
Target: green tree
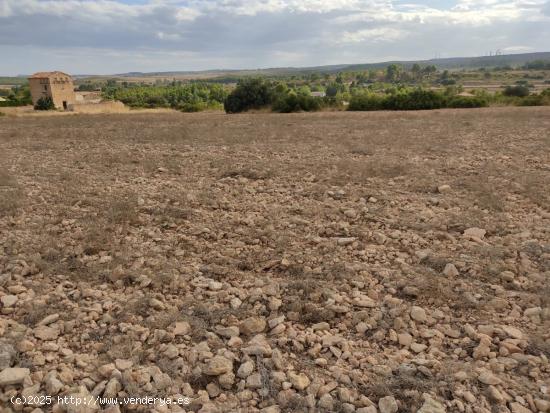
[[44, 103], [429, 70], [416, 70], [252, 93], [373, 75], [393, 73], [20, 96]]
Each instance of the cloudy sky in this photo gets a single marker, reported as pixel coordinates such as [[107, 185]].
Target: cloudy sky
[[114, 36]]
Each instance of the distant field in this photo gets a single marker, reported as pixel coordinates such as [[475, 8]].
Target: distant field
[[12, 81]]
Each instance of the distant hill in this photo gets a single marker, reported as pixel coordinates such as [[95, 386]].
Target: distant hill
[[514, 60], [451, 63]]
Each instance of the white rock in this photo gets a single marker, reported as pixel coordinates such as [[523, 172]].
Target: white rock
[[450, 270], [345, 241], [518, 408], [123, 364], [486, 377], [235, 303], [182, 328], [405, 339], [322, 326], [542, 405], [513, 332], [52, 384], [418, 314], [475, 233], [387, 404], [218, 365], [254, 381], [299, 381], [52, 318], [8, 300], [245, 369], [13, 375], [253, 325], [326, 402], [215, 285], [431, 406], [46, 333]]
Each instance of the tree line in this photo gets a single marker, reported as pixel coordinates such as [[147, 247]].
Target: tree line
[[393, 87], [191, 97]]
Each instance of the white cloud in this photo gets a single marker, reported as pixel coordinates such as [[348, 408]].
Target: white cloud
[[187, 14], [199, 34], [381, 34], [518, 49]]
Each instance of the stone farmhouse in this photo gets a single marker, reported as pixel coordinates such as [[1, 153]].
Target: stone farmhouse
[[56, 85]]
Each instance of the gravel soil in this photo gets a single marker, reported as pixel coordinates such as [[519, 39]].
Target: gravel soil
[[324, 262]]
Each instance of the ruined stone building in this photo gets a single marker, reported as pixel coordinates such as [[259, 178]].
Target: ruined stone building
[[56, 85]]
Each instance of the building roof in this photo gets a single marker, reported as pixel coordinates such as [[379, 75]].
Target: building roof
[[47, 75]]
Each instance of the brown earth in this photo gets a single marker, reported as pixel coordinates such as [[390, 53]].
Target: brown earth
[[328, 262]]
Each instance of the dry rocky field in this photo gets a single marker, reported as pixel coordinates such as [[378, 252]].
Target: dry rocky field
[[327, 262]]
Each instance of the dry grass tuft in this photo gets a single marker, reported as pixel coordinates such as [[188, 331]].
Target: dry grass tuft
[[535, 187], [407, 389], [11, 195], [358, 171], [252, 173]]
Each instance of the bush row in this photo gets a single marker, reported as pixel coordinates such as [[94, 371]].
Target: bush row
[[417, 99], [188, 98], [11, 103], [257, 93]]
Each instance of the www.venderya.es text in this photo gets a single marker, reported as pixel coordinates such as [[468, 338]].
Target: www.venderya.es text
[[97, 400]]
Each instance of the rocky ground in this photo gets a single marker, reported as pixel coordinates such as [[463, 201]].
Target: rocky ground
[[330, 262]]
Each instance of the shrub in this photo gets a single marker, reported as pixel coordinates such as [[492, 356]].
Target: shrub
[[418, 99], [296, 103], [533, 100], [518, 91], [366, 102], [447, 82], [11, 103], [192, 107], [254, 93], [542, 99], [44, 103], [156, 102], [467, 102]]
